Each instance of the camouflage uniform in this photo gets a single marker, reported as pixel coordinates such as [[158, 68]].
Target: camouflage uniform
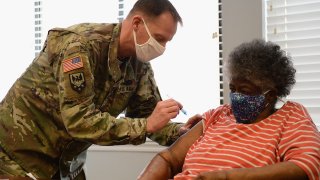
[[70, 96]]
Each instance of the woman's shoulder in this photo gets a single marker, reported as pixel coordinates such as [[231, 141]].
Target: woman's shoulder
[[219, 109], [294, 114], [295, 108], [213, 114]]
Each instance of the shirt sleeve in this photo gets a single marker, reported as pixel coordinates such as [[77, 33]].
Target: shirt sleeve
[[211, 116], [300, 143], [143, 103], [73, 69]]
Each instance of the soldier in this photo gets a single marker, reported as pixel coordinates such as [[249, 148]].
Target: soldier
[[71, 95]]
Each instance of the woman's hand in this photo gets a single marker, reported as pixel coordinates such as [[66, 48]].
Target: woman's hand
[[190, 123], [212, 175]]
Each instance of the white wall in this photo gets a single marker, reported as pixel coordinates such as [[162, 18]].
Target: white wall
[[189, 69], [16, 36], [242, 21], [61, 13]]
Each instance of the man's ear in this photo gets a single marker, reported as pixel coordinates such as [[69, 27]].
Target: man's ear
[[136, 21]]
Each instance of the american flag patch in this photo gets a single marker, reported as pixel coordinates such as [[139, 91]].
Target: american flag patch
[[72, 63]]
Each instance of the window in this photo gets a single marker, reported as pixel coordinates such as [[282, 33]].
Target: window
[[295, 26], [37, 3], [37, 28], [38, 41], [220, 52], [37, 48], [37, 35], [37, 9], [37, 22]]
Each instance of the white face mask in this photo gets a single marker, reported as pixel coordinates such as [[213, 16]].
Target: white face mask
[[148, 50]]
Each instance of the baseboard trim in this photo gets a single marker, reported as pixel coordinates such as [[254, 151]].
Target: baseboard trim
[[149, 146]]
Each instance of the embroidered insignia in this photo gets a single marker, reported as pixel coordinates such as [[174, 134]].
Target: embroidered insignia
[[72, 64], [77, 81], [126, 86]]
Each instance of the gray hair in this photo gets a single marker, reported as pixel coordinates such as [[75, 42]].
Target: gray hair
[[263, 63]]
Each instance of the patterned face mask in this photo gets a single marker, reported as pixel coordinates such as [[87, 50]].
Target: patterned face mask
[[247, 108]]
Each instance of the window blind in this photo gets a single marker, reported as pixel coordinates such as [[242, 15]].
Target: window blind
[[295, 26], [220, 52]]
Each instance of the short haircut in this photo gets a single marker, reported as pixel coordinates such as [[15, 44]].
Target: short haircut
[[263, 62], [154, 8]]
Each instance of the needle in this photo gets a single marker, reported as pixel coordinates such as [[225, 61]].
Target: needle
[[182, 109]]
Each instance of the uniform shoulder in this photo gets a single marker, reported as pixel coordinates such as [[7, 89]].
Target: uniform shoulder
[[100, 30]]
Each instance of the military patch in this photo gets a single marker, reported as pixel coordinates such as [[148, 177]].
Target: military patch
[[77, 81], [125, 89], [72, 64], [126, 86]]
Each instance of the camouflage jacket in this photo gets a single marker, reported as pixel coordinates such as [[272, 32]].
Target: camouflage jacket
[[73, 92]]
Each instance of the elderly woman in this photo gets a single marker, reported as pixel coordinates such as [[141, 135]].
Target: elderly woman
[[250, 138]]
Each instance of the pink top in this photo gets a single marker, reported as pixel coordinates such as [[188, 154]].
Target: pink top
[[287, 135]]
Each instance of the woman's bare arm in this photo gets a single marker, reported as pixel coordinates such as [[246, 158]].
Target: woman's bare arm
[[169, 162], [278, 171]]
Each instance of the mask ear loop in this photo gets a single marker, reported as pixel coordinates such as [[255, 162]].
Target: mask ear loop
[[266, 92], [147, 28], [280, 99], [283, 101], [148, 32], [150, 36], [265, 95]]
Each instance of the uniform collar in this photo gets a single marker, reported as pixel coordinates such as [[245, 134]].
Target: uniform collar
[[113, 63]]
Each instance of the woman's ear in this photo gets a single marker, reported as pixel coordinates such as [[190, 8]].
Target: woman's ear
[[271, 96]]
